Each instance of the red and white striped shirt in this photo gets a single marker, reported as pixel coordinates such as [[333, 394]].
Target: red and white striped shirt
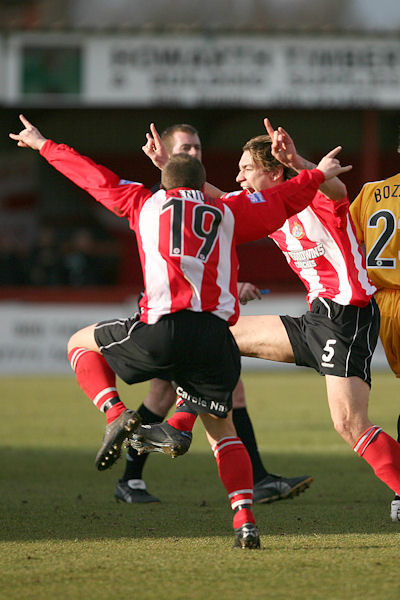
[[186, 241], [321, 247]]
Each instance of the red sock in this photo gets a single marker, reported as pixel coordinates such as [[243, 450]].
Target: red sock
[[382, 453], [97, 380], [114, 411], [183, 421], [236, 473]]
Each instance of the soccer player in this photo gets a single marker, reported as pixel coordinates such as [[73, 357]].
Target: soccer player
[[338, 335], [376, 216], [186, 243], [268, 487]]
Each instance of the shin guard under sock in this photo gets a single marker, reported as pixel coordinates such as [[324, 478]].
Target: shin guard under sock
[[97, 380], [382, 453], [236, 474]]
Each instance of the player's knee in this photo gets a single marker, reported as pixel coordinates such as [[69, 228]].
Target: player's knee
[[161, 397], [84, 338], [344, 427], [238, 396], [72, 343]]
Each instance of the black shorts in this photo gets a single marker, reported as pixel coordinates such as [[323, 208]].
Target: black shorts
[[194, 350], [335, 339]]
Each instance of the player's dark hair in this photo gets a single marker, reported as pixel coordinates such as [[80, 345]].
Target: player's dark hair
[[167, 135], [183, 170], [260, 151]]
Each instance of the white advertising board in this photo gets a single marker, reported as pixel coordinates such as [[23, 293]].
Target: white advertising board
[[34, 336], [255, 71], [261, 70]]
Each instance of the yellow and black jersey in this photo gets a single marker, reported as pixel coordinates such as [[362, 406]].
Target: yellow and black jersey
[[376, 216]]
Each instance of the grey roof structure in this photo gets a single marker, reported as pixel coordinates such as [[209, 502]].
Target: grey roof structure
[[233, 16]]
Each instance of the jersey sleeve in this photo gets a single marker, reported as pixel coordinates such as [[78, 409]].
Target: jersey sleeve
[[260, 213], [119, 196], [356, 208]]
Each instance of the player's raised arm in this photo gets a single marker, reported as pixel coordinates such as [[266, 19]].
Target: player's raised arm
[[30, 137], [155, 149], [330, 165], [284, 150]]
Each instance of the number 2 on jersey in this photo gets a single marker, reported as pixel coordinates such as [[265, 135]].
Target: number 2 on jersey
[[374, 258]]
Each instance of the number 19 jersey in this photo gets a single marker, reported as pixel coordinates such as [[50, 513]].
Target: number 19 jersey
[[187, 241]]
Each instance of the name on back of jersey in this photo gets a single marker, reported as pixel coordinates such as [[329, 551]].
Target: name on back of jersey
[[387, 191]]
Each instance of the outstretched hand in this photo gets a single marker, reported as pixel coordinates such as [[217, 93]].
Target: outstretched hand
[[30, 137], [155, 149], [330, 166], [282, 145]]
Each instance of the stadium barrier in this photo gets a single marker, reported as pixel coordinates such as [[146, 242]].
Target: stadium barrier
[[35, 334]]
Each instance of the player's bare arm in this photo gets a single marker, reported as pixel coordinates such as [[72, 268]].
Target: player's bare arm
[[29, 137], [284, 150]]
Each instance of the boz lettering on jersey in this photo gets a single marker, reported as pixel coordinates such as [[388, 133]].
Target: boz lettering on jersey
[[387, 191], [304, 259], [195, 218]]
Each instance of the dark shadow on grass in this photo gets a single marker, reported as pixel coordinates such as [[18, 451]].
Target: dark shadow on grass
[[60, 495]]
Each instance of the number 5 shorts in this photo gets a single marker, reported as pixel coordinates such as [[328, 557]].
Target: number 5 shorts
[[194, 350], [334, 339]]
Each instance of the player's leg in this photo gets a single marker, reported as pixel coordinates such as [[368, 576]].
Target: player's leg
[[263, 336], [98, 382], [395, 505], [268, 487], [172, 437], [389, 306], [205, 374], [235, 471], [348, 403], [131, 486]]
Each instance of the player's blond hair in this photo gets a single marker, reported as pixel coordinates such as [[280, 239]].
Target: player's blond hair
[[259, 148]]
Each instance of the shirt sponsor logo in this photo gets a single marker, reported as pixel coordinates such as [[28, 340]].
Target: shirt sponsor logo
[[304, 259], [256, 197], [128, 182]]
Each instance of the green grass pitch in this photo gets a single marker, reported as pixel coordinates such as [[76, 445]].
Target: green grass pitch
[[64, 536]]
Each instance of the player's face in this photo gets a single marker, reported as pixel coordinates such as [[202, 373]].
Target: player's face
[[252, 176], [187, 143]]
